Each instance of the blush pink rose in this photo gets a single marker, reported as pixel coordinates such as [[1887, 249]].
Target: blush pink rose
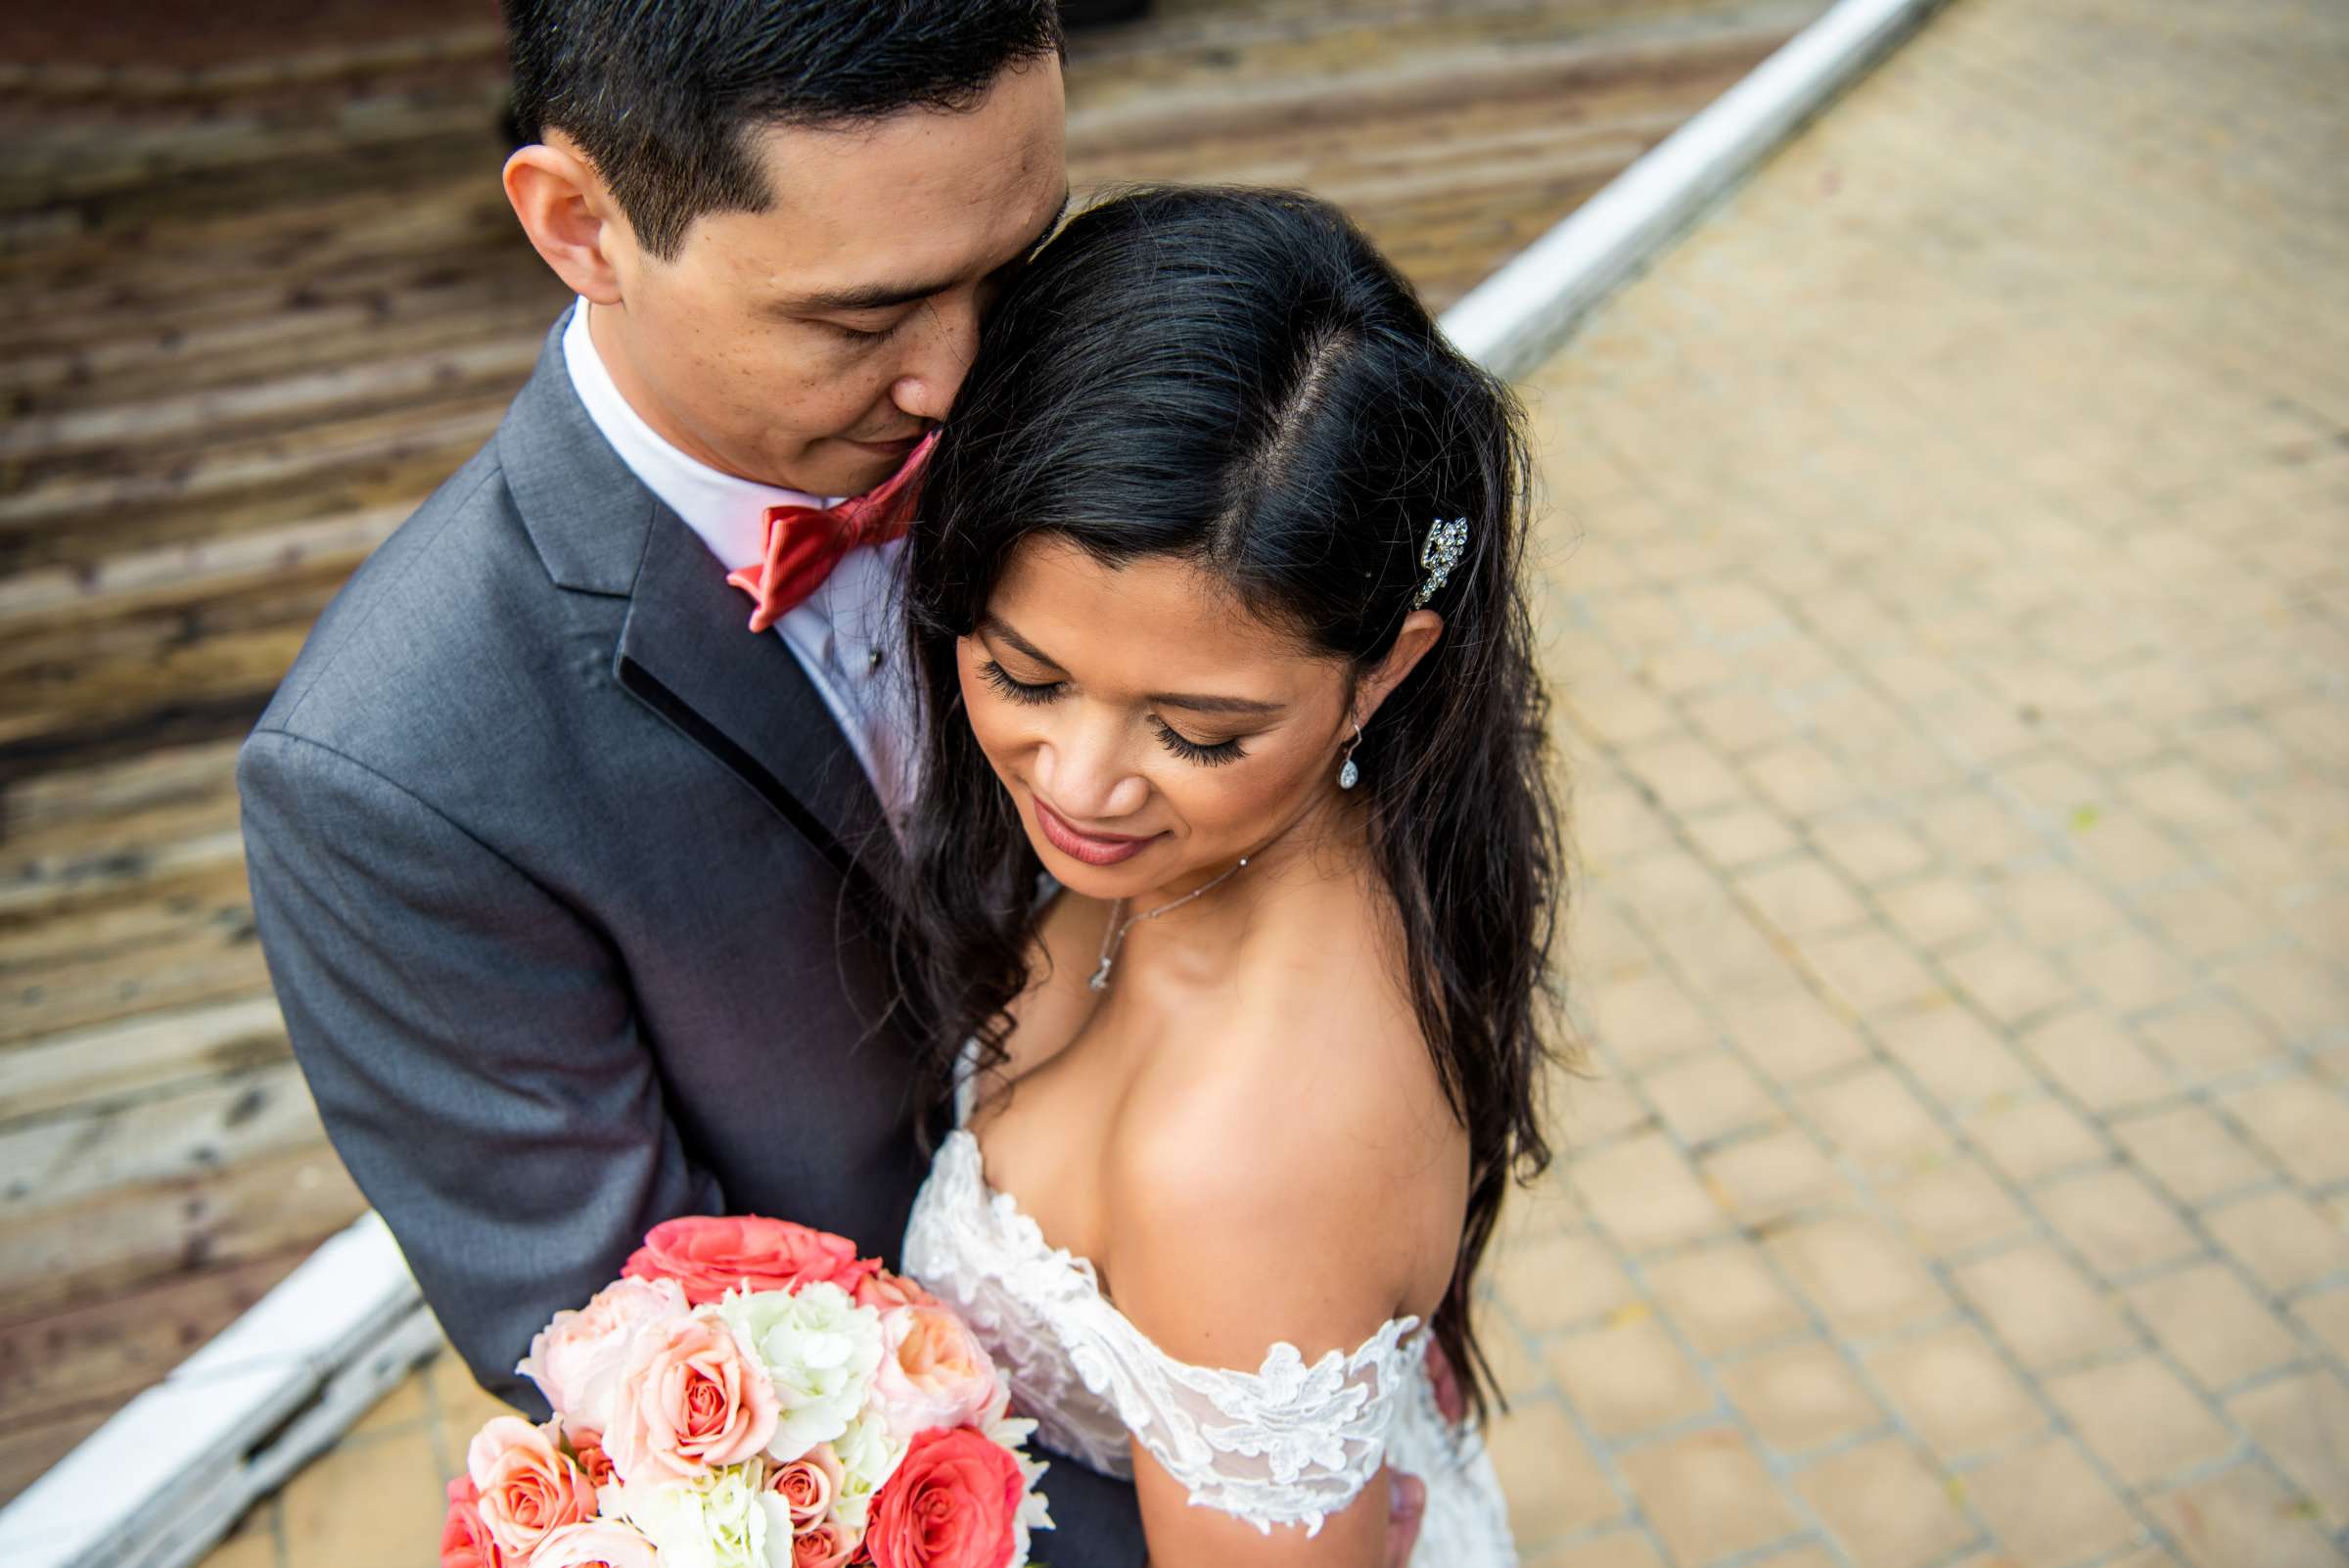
[[822, 1545], [465, 1541], [597, 1544], [709, 1255], [807, 1484], [884, 1290], [575, 1358], [934, 1371], [951, 1503], [692, 1399], [527, 1486]]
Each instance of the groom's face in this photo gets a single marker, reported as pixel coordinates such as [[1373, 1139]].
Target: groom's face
[[814, 343]]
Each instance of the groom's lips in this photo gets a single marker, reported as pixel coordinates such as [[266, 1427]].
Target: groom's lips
[[1094, 848]]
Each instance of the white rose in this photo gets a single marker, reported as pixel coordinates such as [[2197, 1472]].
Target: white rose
[[712, 1521], [821, 1350], [1013, 1433], [868, 1457]]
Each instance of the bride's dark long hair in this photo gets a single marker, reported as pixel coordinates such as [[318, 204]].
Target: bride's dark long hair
[[1239, 379]]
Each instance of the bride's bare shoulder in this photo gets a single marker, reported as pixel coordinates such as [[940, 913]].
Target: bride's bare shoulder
[[1305, 1154]]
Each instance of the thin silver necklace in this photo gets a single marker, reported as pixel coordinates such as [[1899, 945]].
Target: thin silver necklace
[[1114, 938]]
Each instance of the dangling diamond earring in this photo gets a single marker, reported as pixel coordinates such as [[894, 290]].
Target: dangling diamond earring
[[1350, 774]]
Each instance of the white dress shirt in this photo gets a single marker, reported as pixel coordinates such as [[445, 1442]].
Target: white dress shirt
[[844, 635]]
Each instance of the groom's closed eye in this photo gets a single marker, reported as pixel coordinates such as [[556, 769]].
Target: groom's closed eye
[[858, 333], [871, 300]]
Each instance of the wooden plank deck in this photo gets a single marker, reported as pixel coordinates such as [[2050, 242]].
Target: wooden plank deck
[[261, 297]]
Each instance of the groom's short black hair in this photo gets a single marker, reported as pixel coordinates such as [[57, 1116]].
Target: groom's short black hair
[[660, 94]]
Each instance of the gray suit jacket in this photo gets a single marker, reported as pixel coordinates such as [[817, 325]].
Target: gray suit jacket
[[571, 892]]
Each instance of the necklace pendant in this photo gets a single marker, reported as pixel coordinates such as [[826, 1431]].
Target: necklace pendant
[[1100, 980]]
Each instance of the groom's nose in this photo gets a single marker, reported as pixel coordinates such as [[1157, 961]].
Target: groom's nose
[[939, 354]]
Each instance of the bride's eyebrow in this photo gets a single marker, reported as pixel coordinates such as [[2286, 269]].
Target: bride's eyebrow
[[992, 624]]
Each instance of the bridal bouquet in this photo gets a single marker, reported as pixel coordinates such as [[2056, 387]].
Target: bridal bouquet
[[751, 1393]]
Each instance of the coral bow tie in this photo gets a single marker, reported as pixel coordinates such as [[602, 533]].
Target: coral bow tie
[[804, 543]]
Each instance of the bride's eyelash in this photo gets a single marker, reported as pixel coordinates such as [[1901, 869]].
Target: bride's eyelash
[[1019, 691], [1191, 751]]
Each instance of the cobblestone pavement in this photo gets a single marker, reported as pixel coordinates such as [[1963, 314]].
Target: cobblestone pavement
[[1949, 606], [1951, 631]]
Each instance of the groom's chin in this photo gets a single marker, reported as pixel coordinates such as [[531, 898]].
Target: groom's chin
[[836, 465]]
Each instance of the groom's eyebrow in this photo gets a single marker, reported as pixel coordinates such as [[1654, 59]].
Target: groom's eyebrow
[[887, 296], [996, 626]]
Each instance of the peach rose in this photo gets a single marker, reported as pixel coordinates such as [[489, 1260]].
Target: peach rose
[[588, 1449], [824, 1546], [575, 1358], [465, 1541], [807, 1484], [885, 1290], [951, 1505], [934, 1371], [597, 1544], [527, 1485], [709, 1255], [692, 1399]]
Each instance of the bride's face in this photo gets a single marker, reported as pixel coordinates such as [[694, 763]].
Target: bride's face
[[1150, 730]]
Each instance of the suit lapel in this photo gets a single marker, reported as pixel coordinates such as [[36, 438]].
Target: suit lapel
[[685, 649], [686, 652]]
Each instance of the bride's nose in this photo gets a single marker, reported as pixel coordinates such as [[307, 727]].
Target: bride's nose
[[1084, 773]]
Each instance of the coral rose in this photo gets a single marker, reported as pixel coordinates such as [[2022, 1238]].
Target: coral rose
[[597, 1544], [884, 1290], [807, 1484], [692, 1398], [526, 1485], [952, 1504], [934, 1371], [709, 1255], [465, 1541], [575, 1358]]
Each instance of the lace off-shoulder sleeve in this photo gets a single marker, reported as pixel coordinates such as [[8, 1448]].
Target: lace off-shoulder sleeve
[[1288, 1444]]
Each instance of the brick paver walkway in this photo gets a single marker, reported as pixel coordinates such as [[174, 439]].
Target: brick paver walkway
[[1952, 645], [1953, 637]]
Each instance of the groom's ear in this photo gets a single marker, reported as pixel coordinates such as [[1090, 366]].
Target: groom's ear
[[568, 214]]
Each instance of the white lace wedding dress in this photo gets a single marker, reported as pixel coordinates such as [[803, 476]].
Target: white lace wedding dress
[[1287, 1444]]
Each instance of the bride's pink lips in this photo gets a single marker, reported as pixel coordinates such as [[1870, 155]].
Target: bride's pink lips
[[1094, 848]]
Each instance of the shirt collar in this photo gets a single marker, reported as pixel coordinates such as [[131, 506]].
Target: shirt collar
[[727, 512]]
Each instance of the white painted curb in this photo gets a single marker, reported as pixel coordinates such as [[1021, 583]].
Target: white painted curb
[[165, 1478], [1517, 317]]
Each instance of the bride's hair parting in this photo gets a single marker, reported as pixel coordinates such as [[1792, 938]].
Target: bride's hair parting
[[1238, 379]]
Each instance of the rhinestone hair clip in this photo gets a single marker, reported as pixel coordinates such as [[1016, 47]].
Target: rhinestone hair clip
[[1445, 543]]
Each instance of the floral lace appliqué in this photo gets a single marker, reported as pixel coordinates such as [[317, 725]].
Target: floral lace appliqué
[[1287, 1444]]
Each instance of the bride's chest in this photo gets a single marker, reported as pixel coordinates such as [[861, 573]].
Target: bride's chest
[[1045, 1141]]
